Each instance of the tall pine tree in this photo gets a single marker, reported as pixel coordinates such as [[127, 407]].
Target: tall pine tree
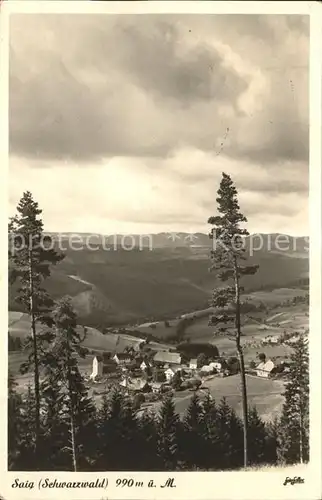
[[62, 365], [227, 255], [30, 258]]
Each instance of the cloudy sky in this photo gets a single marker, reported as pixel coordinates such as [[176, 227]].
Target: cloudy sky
[[125, 123]]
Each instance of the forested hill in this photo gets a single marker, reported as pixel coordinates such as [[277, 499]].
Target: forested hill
[[118, 286]]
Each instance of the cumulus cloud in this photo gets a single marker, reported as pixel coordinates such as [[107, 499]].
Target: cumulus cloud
[[137, 116]]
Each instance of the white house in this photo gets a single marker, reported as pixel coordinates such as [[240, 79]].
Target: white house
[[265, 368], [216, 365], [134, 385], [124, 382], [157, 387], [207, 369], [169, 372], [271, 339], [144, 365], [293, 340], [193, 364]]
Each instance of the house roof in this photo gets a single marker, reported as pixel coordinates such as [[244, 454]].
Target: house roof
[[123, 355], [146, 362], [193, 361], [157, 385], [174, 368], [293, 339], [168, 357], [266, 366], [207, 368]]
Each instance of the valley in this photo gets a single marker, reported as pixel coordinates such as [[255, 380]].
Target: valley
[[127, 298], [121, 287]]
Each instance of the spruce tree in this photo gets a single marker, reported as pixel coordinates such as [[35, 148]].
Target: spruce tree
[[230, 434], [227, 255], [293, 439], [107, 412], [55, 429], [148, 458], [257, 438], [111, 433], [168, 426], [272, 441], [130, 435], [118, 434], [193, 437], [30, 258], [212, 456]]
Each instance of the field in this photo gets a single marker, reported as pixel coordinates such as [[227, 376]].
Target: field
[[266, 395], [256, 324]]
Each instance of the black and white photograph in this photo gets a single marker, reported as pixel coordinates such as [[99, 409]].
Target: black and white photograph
[[159, 239]]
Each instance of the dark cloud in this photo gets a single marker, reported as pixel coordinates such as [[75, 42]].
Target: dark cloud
[[83, 88], [153, 57], [287, 145], [61, 119]]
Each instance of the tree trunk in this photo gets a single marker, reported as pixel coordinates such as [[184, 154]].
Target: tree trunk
[[241, 362], [73, 439], [35, 355], [71, 410]]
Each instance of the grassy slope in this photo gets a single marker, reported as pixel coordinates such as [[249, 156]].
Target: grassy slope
[[291, 317], [266, 395]]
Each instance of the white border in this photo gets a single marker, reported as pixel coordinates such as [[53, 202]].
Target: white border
[[198, 485]]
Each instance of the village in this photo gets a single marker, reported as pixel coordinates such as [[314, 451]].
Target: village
[[146, 374]]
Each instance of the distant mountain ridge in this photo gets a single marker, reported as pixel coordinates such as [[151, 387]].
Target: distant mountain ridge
[[272, 241]]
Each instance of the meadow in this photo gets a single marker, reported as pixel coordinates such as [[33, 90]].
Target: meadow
[[255, 324], [266, 395]]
